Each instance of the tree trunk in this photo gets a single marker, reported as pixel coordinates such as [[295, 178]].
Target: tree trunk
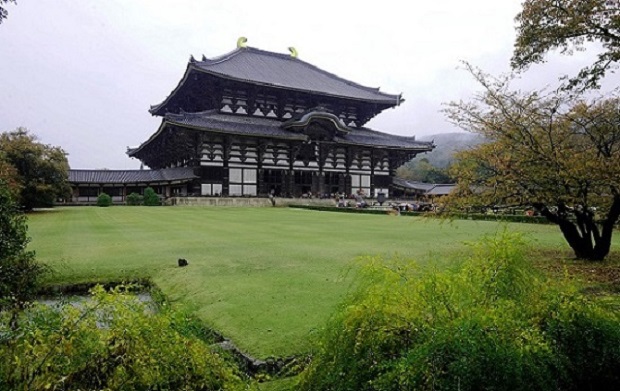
[[583, 235]]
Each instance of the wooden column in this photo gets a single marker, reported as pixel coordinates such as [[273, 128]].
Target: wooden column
[[372, 173], [227, 145], [292, 153], [348, 160], [261, 189]]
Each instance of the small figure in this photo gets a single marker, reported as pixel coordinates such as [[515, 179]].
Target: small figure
[[183, 262]]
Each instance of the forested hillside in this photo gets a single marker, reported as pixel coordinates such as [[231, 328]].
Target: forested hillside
[[431, 167]]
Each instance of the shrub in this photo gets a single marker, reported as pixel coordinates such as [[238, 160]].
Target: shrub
[[461, 216], [134, 199], [150, 197], [490, 324], [20, 274], [104, 200], [114, 342]]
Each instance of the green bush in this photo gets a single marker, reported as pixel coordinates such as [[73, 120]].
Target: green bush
[[134, 199], [113, 342], [20, 274], [150, 197], [490, 324], [460, 216], [104, 200]]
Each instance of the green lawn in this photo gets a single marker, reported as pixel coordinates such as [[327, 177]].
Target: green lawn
[[265, 277]]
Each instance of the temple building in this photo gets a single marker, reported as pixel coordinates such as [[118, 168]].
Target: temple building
[[254, 123]]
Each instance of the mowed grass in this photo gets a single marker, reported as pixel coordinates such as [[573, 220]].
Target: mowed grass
[[267, 278]]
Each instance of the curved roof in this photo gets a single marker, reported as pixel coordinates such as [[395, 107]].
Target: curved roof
[[318, 113], [213, 121], [260, 67], [424, 188], [282, 70]]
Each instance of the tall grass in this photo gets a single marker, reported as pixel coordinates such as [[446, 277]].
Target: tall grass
[[491, 324]]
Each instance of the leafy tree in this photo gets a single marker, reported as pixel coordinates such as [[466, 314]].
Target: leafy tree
[[150, 197], [552, 151], [41, 170], [423, 171], [19, 273], [3, 12], [568, 25], [9, 176]]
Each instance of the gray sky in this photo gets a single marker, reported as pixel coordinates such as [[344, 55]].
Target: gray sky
[[82, 74]]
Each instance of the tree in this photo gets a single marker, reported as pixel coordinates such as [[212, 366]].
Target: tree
[[554, 152], [568, 25], [19, 272], [39, 170], [9, 176], [150, 197], [3, 12], [423, 171]]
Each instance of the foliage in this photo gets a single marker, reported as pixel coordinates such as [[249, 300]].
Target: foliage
[[113, 342], [492, 324], [150, 197], [546, 25], [423, 171], [9, 176], [552, 151], [3, 12], [41, 170], [104, 200], [19, 272], [134, 199], [463, 216]]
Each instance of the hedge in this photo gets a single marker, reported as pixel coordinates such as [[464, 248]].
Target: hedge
[[460, 216]]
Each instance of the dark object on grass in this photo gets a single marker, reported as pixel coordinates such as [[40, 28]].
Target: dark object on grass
[[183, 262]]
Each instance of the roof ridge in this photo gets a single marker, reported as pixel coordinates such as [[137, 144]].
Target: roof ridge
[[222, 57], [288, 57]]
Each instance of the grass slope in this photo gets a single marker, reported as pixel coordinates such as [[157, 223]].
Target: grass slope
[[264, 277]]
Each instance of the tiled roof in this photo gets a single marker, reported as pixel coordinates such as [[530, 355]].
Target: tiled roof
[[131, 176], [235, 124], [443, 189], [266, 127], [425, 188], [257, 66]]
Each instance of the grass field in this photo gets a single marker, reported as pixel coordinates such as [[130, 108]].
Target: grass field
[[265, 277]]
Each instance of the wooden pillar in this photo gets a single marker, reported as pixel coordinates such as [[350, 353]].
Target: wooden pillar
[[226, 145], [348, 160], [261, 189], [292, 153], [372, 173], [318, 183], [284, 184]]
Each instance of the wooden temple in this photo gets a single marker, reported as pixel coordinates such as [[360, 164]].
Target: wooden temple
[[254, 123]]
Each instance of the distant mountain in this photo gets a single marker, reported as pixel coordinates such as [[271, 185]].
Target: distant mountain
[[447, 144]]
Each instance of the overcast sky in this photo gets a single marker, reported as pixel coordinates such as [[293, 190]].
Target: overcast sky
[[82, 74]]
